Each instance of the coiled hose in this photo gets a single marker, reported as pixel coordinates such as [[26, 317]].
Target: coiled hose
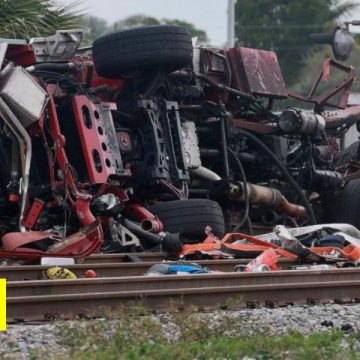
[[289, 178]]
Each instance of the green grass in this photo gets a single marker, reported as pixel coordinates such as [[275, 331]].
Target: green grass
[[137, 334]]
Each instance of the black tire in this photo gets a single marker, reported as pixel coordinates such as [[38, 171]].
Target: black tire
[[351, 152], [143, 49], [190, 217], [346, 208]]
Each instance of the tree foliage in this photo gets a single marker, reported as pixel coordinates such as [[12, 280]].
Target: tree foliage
[[93, 27], [192, 30], [284, 27], [135, 20], [139, 20], [28, 18]]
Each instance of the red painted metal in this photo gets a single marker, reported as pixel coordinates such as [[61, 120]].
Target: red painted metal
[[149, 221], [33, 214], [59, 140], [83, 243], [217, 69], [82, 200], [99, 161], [257, 72], [13, 240], [347, 116], [21, 55], [86, 73], [343, 88]]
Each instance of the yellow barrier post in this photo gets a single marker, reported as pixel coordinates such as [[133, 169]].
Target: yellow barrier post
[[2, 304]]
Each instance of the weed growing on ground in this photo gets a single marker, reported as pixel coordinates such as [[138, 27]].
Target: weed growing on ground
[[135, 333]]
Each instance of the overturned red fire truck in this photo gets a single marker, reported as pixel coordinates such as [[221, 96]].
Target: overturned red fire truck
[[143, 140]]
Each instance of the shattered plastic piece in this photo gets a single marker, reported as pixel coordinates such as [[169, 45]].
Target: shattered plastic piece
[[290, 243], [210, 234], [265, 262], [282, 232]]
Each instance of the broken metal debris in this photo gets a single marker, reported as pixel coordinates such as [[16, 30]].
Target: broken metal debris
[[320, 245]]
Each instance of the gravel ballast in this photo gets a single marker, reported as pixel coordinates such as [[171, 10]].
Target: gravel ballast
[[23, 341]]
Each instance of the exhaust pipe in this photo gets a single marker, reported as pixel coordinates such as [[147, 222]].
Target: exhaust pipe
[[268, 196]]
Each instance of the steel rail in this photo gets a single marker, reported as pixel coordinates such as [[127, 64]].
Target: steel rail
[[65, 306], [125, 257], [139, 283], [35, 272]]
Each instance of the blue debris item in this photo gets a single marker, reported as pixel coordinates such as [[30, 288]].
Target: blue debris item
[[180, 267], [333, 240], [191, 269]]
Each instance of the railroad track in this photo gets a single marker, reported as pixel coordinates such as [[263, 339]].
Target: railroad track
[[116, 269], [49, 299], [126, 257], [121, 280]]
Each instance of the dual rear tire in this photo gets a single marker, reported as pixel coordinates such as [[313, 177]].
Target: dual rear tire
[[190, 217], [142, 50]]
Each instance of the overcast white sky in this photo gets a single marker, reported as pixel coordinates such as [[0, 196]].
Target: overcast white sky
[[209, 15]]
